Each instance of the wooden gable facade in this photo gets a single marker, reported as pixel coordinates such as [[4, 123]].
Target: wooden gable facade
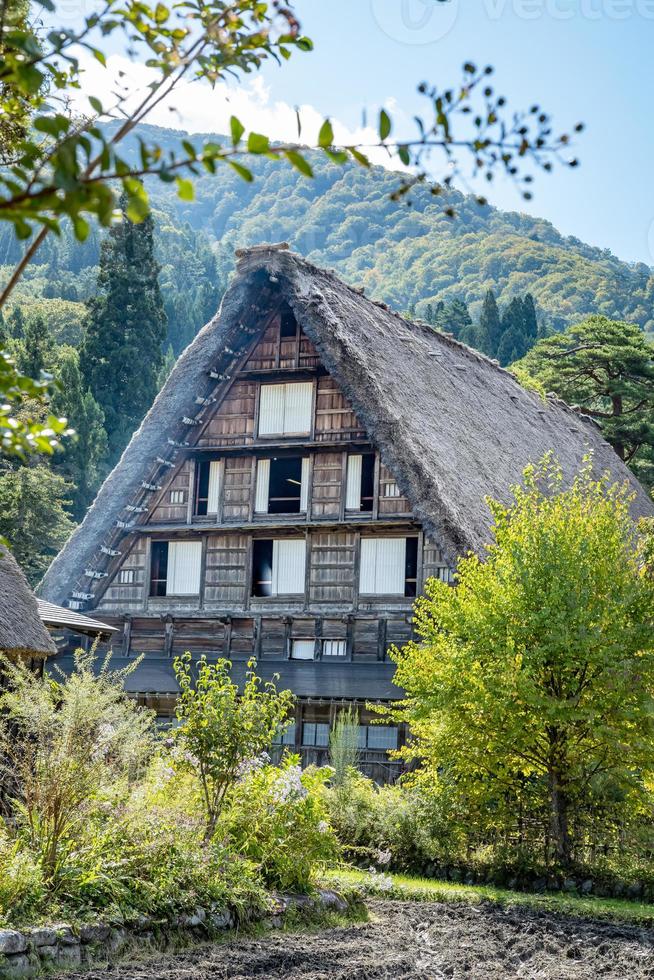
[[279, 534]]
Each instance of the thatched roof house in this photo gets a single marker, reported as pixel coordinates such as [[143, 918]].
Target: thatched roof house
[[22, 633], [451, 425]]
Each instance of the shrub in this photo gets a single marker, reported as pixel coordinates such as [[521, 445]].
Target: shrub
[[66, 748], [278, 819], [221, 727]]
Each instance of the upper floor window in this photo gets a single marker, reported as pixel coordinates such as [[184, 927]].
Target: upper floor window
[[278, 566], [282, 485], [388, 566], [207, 484], [175, 568], [360, 487], [285, 409]]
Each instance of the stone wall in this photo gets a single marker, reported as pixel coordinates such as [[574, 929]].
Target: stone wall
[[60, 947]]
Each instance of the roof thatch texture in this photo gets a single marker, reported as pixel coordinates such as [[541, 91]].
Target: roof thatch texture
[[21, 631], [452, 426]]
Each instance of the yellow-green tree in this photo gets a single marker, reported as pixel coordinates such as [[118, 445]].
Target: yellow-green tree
[[538, 666]]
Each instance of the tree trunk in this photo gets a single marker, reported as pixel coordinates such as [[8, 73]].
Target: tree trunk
[[559, 827], [616, 401]]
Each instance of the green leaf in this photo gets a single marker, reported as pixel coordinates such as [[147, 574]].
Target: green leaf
[[241, 170], [237, 129], [95, 104], [161, 13], [360, 157], [326, 134], [299, 162], [258, 143], [384, 124], [185, 189], [404, 155], [81, 228]]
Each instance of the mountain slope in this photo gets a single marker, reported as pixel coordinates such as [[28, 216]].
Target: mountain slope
[[344, 219]]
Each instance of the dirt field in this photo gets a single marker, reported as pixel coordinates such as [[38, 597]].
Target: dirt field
[[427, 940]]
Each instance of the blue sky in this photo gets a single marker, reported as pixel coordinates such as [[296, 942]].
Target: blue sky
[[582, 60], [589, 61]]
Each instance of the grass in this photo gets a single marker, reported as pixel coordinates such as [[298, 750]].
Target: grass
[[429, 890]]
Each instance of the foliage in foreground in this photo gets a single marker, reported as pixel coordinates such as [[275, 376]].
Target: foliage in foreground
[[102, 816], [531, 696]]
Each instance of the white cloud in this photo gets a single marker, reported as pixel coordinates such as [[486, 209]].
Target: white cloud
[[196, 107]]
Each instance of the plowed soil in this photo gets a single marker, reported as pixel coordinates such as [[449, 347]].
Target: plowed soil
[[421, 939]]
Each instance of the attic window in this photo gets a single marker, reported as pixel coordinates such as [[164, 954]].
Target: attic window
[[288, 323], [389, 566], [285, 409], [360, 482], [177, 496], [282, 485], [126, 576]]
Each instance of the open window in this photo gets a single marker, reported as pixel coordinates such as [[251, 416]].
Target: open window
[[389, 566], [175, 568], [207, 487], [286, 409], [282, 485], [278, 566], [360, 489]]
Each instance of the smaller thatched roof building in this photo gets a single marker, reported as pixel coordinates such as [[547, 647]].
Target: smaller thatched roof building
[[22, 632]]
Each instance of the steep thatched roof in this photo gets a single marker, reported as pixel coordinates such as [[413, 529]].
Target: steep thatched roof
[[451, 425], [21, 631]]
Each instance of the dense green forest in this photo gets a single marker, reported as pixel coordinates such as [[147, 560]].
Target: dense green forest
[[93, 314], [408, 255]]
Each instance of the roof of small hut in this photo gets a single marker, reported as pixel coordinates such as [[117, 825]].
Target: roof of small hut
[[21, 630], [451, 424]]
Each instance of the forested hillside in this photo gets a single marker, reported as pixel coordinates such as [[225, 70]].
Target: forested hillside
[[410, 256]]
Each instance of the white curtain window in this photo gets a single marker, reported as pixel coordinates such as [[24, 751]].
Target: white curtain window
[[262, 488], [383, 566], [353, 488], [303, 649], [285, 409], [213, 491], [289, 561], [334, 648], [271, 409], [304, 490], [297, 409], [184, 563]]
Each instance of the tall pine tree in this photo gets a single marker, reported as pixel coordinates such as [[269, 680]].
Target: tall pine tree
[[121, 355], [80, 463], [490, 325]]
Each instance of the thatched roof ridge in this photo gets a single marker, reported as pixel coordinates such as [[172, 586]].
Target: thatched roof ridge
[[21, 631], [451, 424]]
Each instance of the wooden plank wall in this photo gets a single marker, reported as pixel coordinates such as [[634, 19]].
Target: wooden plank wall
[[390, 504], [327, 485], [165, 511], [332, 567], [335, 418], [237, 488], [226, 570], [233, 423], [128, 597]]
